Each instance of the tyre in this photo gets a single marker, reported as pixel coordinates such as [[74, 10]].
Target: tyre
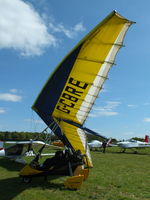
[[26, 179]]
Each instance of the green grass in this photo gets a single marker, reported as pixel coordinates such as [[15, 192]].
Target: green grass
[[115, 176]]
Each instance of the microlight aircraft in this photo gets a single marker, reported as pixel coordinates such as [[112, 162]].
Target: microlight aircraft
[[134, 144], [69, 94], [17, 150]]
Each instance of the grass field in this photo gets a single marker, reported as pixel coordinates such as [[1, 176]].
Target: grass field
[[115, 176]]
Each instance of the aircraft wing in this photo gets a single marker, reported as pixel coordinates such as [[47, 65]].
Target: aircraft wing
[[140, 146], [26, 142], [69, 94]]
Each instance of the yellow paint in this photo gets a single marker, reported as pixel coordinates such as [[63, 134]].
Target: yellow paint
[[81, 171], [74, 182], [27, 170]]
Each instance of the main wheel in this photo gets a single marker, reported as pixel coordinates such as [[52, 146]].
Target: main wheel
[[26, 179]]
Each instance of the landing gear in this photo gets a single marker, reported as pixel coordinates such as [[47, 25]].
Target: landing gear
[[26, 179], [62, 164]]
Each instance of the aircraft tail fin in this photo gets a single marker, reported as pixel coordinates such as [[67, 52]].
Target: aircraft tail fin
[[146, 139]]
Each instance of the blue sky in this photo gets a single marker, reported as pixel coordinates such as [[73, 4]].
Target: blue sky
[[34, 38]]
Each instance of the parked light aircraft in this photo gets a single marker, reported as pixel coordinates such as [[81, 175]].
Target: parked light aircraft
[[134, 144], [16, 150], [96, 144], [68, 96]]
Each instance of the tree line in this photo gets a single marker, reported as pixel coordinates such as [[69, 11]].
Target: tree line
[[17, 136], [8, 136]]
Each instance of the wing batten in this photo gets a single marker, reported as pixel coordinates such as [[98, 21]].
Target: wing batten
[[96, 61]]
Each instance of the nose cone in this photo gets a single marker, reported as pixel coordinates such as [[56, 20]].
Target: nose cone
[[2, 152]]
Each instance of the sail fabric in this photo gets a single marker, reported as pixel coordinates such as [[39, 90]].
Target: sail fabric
[[78, 140], [72, 89]]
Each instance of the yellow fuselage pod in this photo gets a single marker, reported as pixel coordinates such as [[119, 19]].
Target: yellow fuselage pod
[[28, 171]]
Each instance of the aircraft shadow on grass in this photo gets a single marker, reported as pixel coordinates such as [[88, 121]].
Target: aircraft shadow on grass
[[11, 187], [10, 165]]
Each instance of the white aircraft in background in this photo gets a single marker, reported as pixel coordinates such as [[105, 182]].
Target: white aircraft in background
[[134, 144], [95, 144], [15, 149]]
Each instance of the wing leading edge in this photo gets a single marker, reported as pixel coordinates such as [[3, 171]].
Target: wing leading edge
[[72, 89]]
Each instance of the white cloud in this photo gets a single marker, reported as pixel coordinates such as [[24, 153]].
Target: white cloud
[[147, 119], [79, 27], [22, 28], [146, 104], [10, 97], [13, 90], [69, 32], [112, 104], [2, 110], [132, 106], [103, 113], [104, 90], [107, 110]]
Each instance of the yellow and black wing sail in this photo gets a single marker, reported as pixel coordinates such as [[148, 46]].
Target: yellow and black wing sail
[[70, 92]]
